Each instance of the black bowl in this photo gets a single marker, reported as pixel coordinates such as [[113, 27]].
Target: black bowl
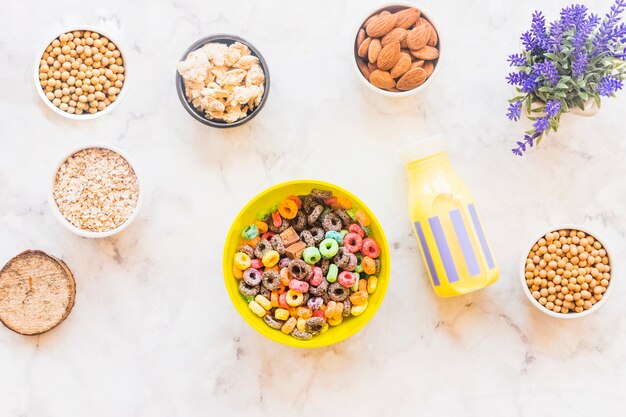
[[197, 114]]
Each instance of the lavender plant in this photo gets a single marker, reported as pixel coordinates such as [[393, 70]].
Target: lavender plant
[[577, 58]]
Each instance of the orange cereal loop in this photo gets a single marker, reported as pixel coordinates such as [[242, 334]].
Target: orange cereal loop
[[262, 226], [369, 265], [362, 285], [344, 202], [252, 242], [359, 298], [293, 311], [362, 218], [296, 200], [288, 209], [238, 273], [274, 298]]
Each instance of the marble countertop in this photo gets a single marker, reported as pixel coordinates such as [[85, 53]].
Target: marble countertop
[[153, 332]]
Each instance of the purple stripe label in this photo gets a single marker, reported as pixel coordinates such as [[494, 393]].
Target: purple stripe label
[[444, 250], [427, 255], [481, 235], [464, 241]]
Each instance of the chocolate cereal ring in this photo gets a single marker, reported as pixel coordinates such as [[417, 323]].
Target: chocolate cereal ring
[[318, 234], [273, 322], [271, 280], [248, 290], [265, 292], [320, 290], [314, 325], [315, 214], [338, 292], [307, 238], [299, 223], [377, 263], [277, 244], [305, 298], [321, 194], [247, 249], [352, 262], [308, 204], [283, 226], [284, 263], [324, 265], [345, 219], [331, 222], [347, 307], [262, 248], [298, 269], [297, 334], [252, 276], [342, 258]]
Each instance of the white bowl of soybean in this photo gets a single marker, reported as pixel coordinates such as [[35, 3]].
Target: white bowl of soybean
[[543, 241]]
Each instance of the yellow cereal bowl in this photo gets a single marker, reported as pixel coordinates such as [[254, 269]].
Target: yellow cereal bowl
[[247, 216]]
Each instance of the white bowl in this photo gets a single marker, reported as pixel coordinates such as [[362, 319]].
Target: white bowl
[[398, 4], [596, 306], [87, 116], [87, 233]]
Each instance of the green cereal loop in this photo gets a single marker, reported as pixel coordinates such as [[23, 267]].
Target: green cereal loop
[[274, 208], [343, 233], [248, 298], [333, 271], [311, 255], [263, 215], [359, 263], [355, 287], [367, 230], [351, 214], [250, 232], [329, 248]]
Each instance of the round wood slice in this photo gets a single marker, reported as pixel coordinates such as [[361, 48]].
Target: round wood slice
[[37, 292]]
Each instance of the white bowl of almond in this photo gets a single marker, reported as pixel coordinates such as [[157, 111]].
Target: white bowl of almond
[[95, 191], [567, 272], [396, 50]]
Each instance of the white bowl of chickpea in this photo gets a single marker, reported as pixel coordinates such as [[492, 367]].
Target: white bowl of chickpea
[[81, 80], [566, 273]]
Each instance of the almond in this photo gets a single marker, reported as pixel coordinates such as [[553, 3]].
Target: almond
[[360, 37], [381, 25], [369, 19], [407, 17], [417, 64], [433, 38], [364, 47], [429, 67], [403, 43], [402, 66], [388, 56], [363, 68], [417, 37], [411, 79], [382, 79], [396, 35], [374, 50], [427, 53], [372, 67]]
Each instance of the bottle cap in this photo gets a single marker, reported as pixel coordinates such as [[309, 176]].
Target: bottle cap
[[423, 148]]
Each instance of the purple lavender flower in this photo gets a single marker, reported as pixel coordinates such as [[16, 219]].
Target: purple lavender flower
[[548, 70], [553, 107], [609, 85], [515, 110], [583, 30], [542, 124], [517, 60], [538, 29], [608, 28], [521, 145]]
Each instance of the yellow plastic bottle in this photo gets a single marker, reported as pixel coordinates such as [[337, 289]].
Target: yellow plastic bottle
[[448, 228]]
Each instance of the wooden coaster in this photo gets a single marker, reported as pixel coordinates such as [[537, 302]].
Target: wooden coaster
[[37, 292]]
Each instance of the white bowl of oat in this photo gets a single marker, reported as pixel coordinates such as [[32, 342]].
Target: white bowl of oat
[[95, 191]]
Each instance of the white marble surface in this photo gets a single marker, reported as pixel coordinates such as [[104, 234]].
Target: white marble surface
[[153, 332]]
